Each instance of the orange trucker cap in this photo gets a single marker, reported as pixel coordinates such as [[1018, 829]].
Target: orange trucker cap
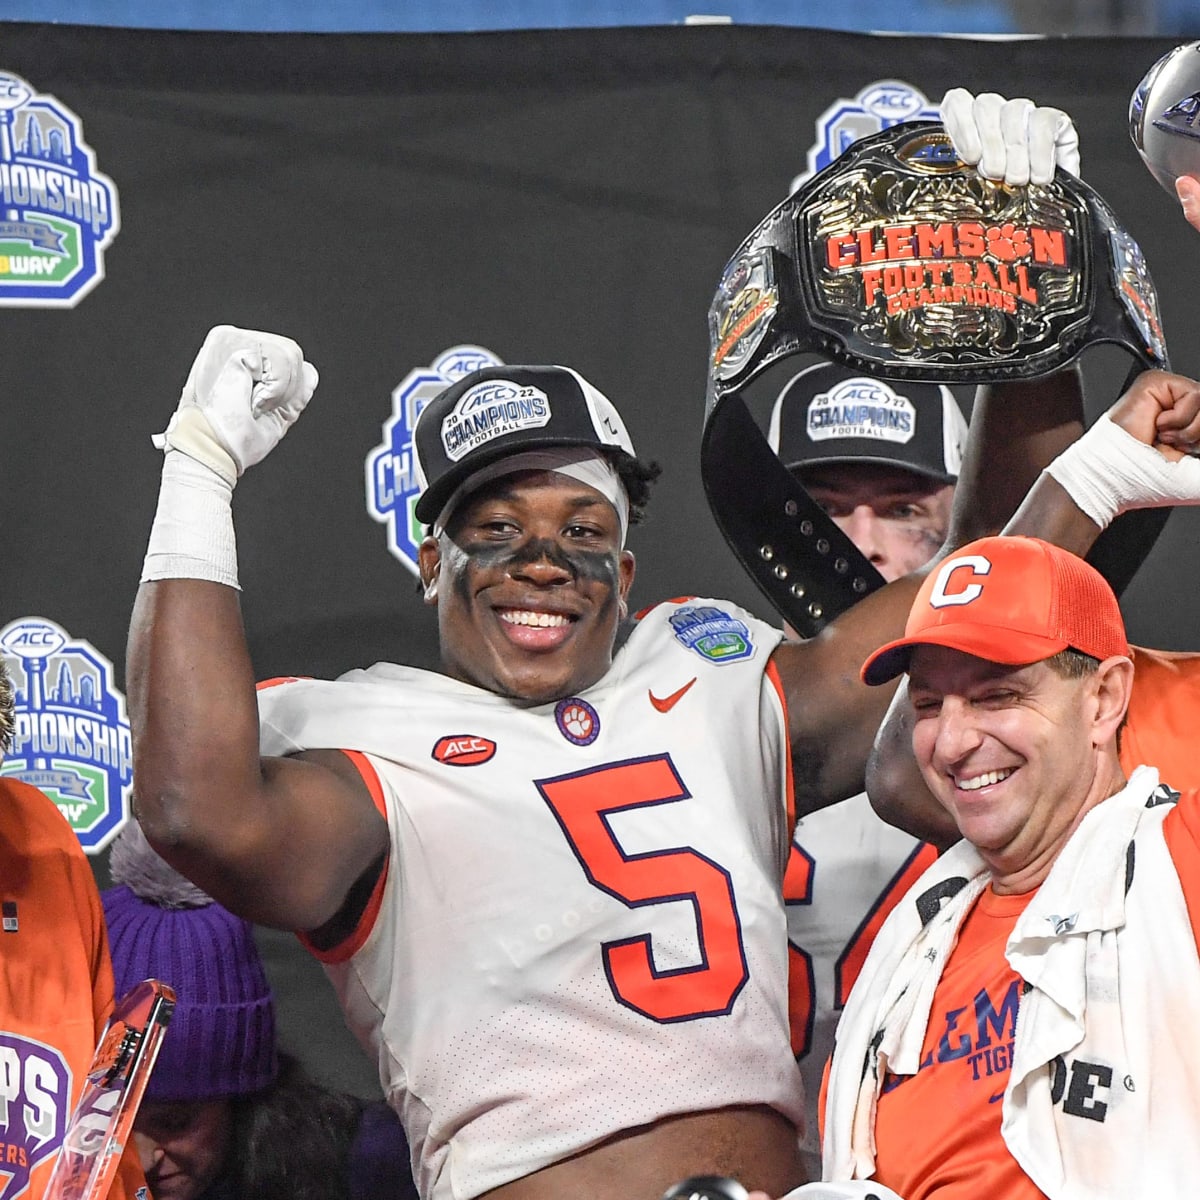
[[1010, 600]]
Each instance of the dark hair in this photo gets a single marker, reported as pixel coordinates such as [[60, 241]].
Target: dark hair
[[637, 476], [291, 1141], [1072, 664]]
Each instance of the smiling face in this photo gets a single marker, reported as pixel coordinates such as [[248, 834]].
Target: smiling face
[[1016, 755], [530, 583], [897, 518]]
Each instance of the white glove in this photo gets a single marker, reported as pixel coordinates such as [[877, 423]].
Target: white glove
[[241, 396], [1013, 140]]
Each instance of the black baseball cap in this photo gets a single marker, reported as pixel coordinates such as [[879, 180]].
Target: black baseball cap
[[506, 410], [831, 413]]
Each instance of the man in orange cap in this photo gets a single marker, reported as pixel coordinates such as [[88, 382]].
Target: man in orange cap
[[1072, 902]]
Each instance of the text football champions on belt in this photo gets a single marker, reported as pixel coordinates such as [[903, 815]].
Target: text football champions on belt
[[903, 263]]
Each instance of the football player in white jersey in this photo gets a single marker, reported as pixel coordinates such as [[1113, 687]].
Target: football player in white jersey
[[882, 458], [545, 880]]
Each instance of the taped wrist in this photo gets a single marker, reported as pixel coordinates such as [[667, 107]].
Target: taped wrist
[[190, 433], [1108, 471], [192, 535]]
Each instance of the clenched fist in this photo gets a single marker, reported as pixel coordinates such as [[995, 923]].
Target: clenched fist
[[243, 393]]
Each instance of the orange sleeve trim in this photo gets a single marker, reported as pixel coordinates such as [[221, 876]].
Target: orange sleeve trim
[[352, 944], [262, 685], [777, 684]]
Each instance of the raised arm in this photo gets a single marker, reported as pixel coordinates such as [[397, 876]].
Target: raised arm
[[280, 841], [1133, 457]]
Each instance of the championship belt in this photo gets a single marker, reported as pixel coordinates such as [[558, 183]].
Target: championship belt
[[902, 262]]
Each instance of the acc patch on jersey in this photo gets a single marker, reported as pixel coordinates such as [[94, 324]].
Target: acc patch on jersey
[[58, 213], [715, 635], [71, 738], [464, 750], [391, 470], [879, 105]]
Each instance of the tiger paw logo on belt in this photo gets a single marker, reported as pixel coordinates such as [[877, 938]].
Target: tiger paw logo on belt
[[922, 254]]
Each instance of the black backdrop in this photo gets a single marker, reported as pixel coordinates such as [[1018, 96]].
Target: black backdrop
[[564, 196]]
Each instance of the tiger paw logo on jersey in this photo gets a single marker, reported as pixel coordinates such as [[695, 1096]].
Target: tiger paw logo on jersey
[[391, 467], [71, 738], [880, 105], [34, 1105], [58, 213], [577, 721]]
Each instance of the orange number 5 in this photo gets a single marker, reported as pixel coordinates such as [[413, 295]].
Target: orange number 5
[[583, 803]]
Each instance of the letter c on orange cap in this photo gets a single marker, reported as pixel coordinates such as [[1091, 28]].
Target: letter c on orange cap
[[941, 598]]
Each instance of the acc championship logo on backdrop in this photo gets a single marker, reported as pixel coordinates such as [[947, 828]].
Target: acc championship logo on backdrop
[[880, 105], [72, 736], [57, 212], [391, 467]]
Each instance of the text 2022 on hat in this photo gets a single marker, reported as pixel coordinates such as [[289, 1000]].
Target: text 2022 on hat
[[1011, 600], [831, 413], [502, 411]]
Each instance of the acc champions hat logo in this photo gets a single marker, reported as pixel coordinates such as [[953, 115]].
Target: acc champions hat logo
[[58, 213], [72, 738], [861, 408], [490, 410], [391, 468]]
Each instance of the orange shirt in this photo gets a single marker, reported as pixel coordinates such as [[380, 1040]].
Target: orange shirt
[[938, 1132], [56, 990], [1163, 714]]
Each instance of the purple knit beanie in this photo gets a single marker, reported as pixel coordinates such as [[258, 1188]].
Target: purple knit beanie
[[221, 1039]]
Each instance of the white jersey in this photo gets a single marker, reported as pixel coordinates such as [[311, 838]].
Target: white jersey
[[580, 929], [846, 872]]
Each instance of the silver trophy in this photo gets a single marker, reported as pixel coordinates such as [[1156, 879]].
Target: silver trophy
[[1164, 116]]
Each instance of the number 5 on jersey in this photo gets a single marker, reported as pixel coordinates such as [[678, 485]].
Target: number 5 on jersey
[[582, 803]]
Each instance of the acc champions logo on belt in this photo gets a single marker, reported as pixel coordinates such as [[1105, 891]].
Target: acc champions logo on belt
[[71, 738], [879, 106], [58, 213], [391, 467]]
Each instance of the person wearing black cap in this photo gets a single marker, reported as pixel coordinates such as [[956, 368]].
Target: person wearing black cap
[[544, 880], [882, 458]]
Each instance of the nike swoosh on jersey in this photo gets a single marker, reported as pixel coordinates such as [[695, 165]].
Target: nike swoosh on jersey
[[668, 702]]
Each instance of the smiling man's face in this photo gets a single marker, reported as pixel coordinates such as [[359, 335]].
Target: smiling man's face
[[529, 580], [1008, 751]]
